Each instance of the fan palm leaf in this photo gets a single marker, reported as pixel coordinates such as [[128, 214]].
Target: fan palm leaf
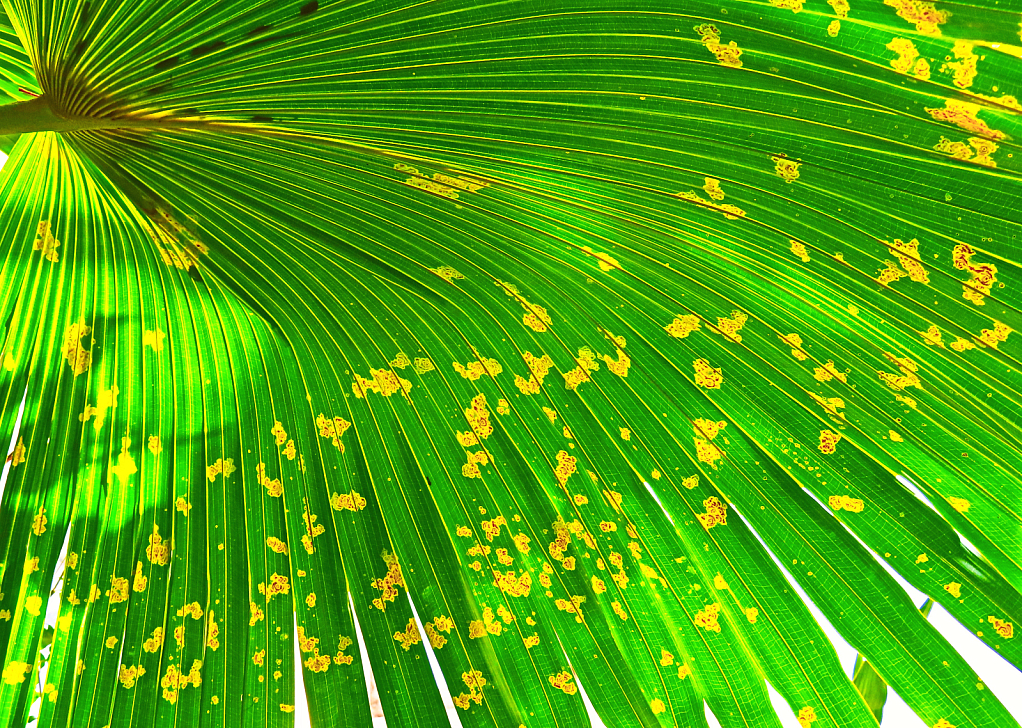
[[574, 328]]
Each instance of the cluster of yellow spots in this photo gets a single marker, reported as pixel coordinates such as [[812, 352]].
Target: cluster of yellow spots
[[182, 505], [512, 584], [983, 275], [706, 451], [433, 629], [707, 618], [478, 416], [923, 15], [564, 681], [908, 60], [76, 356], [278, 585], [492, 527], [312, 529], [105, 401], [220, 466], [18, 456], [139, 580], [954, 589], [471, 468], [799, 251], [212, 632], [447, 273], [692, 481], [841, 8], [128, 675], [535, 317], [111, 642], [155, 641], [389, 583], [727, 55], [963, 114], [716, 513], [586, 363], [908, 376], [332, 429], [619, 610], [347, 501], [707, 376], [1003, 628], [997, 335], [39, 522], [844, 502], [310, 600], [531, 642], [959, 504], [786, 169], [125, 466], [551, 414], [979, 153], [503, 407], [428, 185], [33, 604], [475, 682], [565, 467], [255, 614], [830, 405], [829, 371], [794, 6], [605, 262], [14, 672], [908, 255], [752, 614], [683, 325], [340, 658], [522, 542], [176, 680], [657, 705], [684, 671], [729, 327], [539, 367], [478, 367], [943, 723], [729, 211], [828, 442], [118, 591], [45, 243], [410, 636], [274, 487], [571, 606], [382, 381], [490, 624], [158, 550], [963, 69], [806, 716]]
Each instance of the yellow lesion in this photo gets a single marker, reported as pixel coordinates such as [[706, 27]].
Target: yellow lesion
[[565, 467], [729, 211], [979, 153], [140, 580], [707, 618], [19, 452], [421, 365], [535, 317], [997, 335], [959, 504], [795, 342], [707, 376], [382, 381], [153, 339], [125, 466], [226, 467], [794, 6], [478, 416], [982, 275], [279, 584], [908, 255], [447, 273], [410, 636], [907, 377], [312, 529], [729, 327], [77, 356], [963, 114], [716, 513], [683, 325], [799, 251], [1002, 627], [806, 716], [954, 589], [605, 262], [829, 371], [923, 15], [389, 584], [155, 445], [830, 405], [428, 185], [106, 401], [45, 242], [786, 169], [332, 429], [539, 367], [908, 60], [726, 55], [14, 672], [713, 189], [845, 503], [963, 69], [828, 441], [276, 545], [274, 488], [587, 363], [478, 367]]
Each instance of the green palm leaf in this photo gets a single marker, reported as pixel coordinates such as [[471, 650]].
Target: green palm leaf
[[570, 323]]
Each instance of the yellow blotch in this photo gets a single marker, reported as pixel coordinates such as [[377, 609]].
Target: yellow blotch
[[979, 153], [806, 716], [954, 589], [982, 275], [563, 681], [908, 255], [844, 502], [682, 326], [565, 467], [605, 262], [33, 605], [786, 169], [895, 437], [959, 504], [751, 614], [106, 400], [684, 671], [153, 339], [729, 327], [1002, 627], [799, 251], [923, 15], [478, 367], [830, 405], [908, 60], [382, 381], [829, 371], [963, 114], [39, 522], [14, 672], [963, 69], [76, 356], [726, 55], [712, 188], [332, 429], [657, 706], [716, 513], [719, 582], [908, 376], [834, 28], [828, 441], [707, 376], [45, 243], [619, 366], [140, 580], [447, 273], [707, 618]]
